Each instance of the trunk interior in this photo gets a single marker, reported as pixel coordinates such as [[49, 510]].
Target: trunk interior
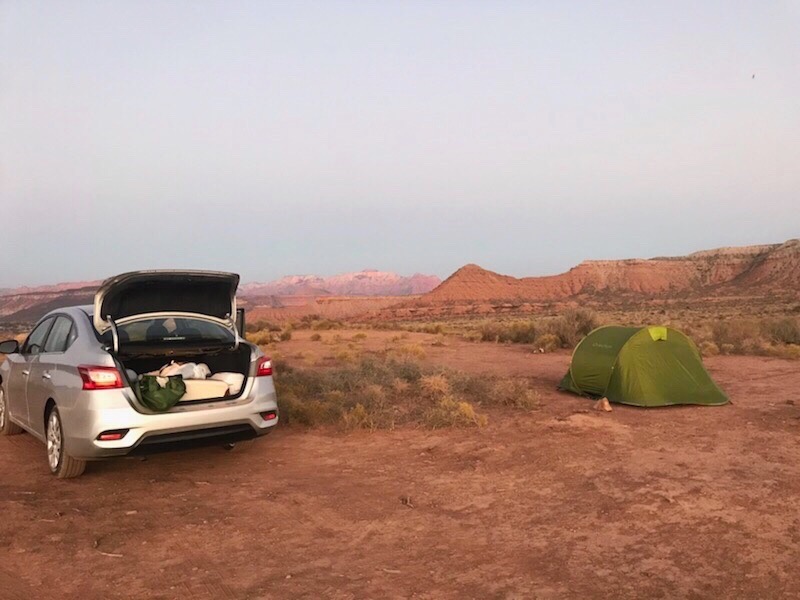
[[223, 361]]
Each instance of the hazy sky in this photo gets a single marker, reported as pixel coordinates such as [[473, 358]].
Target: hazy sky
[[323, 137]]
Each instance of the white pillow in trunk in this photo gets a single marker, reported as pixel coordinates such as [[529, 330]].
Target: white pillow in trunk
[[234, 381]]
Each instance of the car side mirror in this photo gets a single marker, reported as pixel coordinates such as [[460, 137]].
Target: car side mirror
[[9, 347]]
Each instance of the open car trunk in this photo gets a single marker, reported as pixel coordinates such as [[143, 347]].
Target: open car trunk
[[232, 360]]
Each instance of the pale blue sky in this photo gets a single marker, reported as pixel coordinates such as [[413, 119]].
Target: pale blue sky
[[323, 137]]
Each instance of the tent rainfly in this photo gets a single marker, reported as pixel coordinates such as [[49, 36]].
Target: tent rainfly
[[647, 366]]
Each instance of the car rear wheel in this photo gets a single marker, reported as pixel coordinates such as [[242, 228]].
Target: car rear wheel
[[62, 465], [6, 426]]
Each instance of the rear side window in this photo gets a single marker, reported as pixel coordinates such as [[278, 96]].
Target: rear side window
[[35, 341], [59, 334]]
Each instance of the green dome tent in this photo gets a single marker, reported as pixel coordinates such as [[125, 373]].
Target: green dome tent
[[642, 366]]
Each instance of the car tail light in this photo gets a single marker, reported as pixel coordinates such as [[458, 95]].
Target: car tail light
[[112, 436], [100, 378], [264, 367]]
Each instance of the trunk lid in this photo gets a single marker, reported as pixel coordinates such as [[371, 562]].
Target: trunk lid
[[135, 295]]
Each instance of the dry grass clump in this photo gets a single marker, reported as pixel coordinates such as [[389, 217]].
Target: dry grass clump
[[435, 386], [548, 342], [383, 393], [409, 351], [260, 338], [515, 332], [514, 393], [315, 337], [767, 337], [450, 412]]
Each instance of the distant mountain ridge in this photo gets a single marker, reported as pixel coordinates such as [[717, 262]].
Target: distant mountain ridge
[[26, 304], [362, 283], [765, 269]]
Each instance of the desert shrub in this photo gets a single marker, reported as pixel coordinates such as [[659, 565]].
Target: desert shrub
[[736, 335], [514, 332], [439, 341], [472, 336], [309, 411], [571, 327], [400, 386], [286, 335], [451, 412], [548, 342], [358, 417], [513, 392], [435, 386], [262, 325], [415, 351], [381, 393], [708, 348], [344, 355], [359, 337], [782, 331], [315, 337], [260, 338], [326, 325], [790, 351]]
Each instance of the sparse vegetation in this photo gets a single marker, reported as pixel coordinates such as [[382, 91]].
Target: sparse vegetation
[[766, 333], [383, 393]]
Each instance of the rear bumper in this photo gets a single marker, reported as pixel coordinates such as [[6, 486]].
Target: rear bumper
[[218, 422], [196, 438]]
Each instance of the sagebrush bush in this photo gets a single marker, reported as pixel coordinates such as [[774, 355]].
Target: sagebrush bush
[[782, 331], [513, 392], [315, 337], [572, 326], [736, 335]]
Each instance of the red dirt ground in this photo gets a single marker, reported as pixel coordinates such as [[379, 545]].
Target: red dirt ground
[[561, 502]]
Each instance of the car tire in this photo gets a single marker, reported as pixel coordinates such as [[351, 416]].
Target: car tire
[[237, 447], [61, 464], [6, 426]]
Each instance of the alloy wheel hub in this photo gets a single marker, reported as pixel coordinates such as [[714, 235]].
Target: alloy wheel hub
[[2, 409], [53, 441]]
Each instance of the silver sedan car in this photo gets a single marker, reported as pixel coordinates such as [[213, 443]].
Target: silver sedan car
[[74, 382]]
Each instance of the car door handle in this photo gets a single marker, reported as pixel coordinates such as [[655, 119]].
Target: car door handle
[[26, 373], [46, 376]]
